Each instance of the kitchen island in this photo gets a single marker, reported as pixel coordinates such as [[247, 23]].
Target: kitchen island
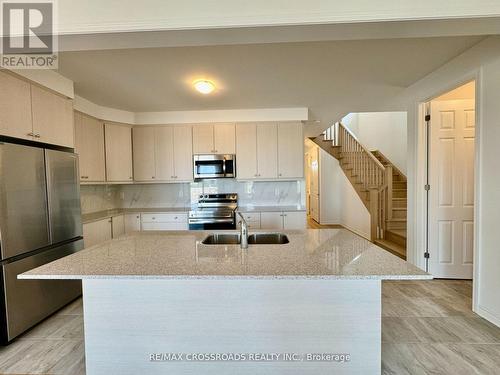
[[164, 302]]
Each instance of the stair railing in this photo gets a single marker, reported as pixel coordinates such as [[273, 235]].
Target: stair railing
[[373, 178]]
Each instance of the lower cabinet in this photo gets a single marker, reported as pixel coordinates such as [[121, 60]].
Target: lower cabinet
[[275, 220], [97, 232], [132, 222], [164, 221], [118, 225]]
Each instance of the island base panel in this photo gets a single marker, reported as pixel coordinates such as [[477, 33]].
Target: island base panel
[[129, 321]]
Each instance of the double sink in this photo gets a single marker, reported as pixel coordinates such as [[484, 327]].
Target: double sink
[[253, 239]]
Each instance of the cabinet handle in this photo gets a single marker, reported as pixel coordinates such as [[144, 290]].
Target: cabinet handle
[[279, 174], [37, 135], [137, 217], [31, 134], [152, 176], [130, 178]]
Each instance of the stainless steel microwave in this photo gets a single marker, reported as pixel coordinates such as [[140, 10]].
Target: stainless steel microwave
[[214, 166]]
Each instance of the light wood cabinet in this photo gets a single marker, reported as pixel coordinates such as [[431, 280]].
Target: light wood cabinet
[[290, 150], [271, 220], [89, 145], [246, 151], [214, 139], [164, 221], [256, 151], [97, 232], [118, 145], [294, 220], [118, 225], [132, 222], [267, 151], [283, 220], [144, 153], [30, 112], [52, 117], [15, 107], [163, 153], [183, 153]]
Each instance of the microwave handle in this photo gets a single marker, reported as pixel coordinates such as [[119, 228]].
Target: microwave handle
[[224, 167]]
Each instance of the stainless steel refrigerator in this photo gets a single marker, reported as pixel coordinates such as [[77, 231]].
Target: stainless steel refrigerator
[[40, 221]]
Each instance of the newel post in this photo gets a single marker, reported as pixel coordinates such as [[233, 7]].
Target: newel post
[[374, 214]]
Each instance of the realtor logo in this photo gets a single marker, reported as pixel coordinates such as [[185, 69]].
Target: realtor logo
[[28, 40]]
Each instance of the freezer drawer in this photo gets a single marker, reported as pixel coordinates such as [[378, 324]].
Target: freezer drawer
[[30, 301], [24, 223], [63, 195]]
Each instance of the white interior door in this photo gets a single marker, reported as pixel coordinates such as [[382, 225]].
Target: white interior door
[[451, 197]]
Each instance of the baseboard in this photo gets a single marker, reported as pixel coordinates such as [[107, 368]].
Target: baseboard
[[488, 316]]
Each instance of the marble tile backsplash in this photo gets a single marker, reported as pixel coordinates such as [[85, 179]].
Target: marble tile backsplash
[[258, 193], [155, 195], [95, 198]]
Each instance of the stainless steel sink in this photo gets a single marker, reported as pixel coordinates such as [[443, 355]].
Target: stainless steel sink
[[267, 239], [222, 239], [253, 239]]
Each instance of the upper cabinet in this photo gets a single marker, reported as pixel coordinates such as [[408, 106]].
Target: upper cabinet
[[290, 150], [256, 151], [269, 151], [15, 107], [52, 117], [28, 111], [163, 153], [214, 139], [89, 145], [118, 145]]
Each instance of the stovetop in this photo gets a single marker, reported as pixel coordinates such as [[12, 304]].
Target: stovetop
[[215, 205]]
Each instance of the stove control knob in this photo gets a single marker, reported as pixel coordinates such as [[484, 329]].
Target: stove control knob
[[206, 196], [201, 195]]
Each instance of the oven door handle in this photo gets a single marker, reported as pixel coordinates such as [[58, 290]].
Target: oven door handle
[[210, 221]]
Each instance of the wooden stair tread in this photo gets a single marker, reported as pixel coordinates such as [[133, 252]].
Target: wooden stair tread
[[392, 247], [398, 232], [399, 199], [397, 219], [399, 208]]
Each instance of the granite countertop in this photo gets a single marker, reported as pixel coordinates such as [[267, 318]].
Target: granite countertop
[[96, 216], [311, 254], [251, 208]]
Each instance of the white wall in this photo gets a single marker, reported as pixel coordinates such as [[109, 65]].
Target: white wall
[[339, 202], [481, 62], [383, 131]]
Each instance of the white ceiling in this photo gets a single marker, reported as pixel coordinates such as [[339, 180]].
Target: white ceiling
[[256, 76]]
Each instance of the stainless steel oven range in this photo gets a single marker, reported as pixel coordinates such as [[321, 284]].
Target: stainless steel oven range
[[214, 211]]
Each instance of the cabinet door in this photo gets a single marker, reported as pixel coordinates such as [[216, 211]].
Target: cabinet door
[[118, 153], [164, 150], [271, 220], [290, 150], [52, 117], [314, 207], [89, 145], [183, 153], [224, 139], [132, 223], [246, 151], [118, 226], [203, 139], [15, 107], [294, 220], [144, 153], [97, 232], [267, 151]]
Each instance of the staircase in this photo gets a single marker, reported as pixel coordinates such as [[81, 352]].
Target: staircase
[[395, 233], [379, 184]]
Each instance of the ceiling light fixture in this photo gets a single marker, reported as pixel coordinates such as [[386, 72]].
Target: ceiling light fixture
[[204, 86]]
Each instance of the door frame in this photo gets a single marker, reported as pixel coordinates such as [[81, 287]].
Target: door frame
[[417, 193]]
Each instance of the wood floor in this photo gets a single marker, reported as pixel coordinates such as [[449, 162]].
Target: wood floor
[[428, 327]]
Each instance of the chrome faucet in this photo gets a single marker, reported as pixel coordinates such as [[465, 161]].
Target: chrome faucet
[[243, 232]]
